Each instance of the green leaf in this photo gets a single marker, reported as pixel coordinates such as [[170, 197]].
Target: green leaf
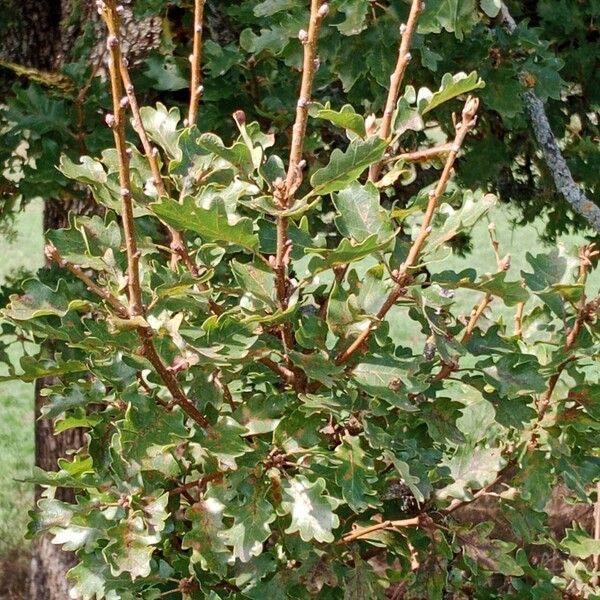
[[361, 214], [256, 281], [345, 167], [455, 16], [318, 366], [356, 12], [489, 554], [471, 469], [239, 155], [491, 7], [166, 72], [311, 509], [346, 117], [451, 87], [39, 300], [268, 8], [516, 375], [451, 222], [131, 548], [250, 527], [386, 378], [355, 474], [208, 549], [212, 224], [161, 126], [347, 252], [580, 544]]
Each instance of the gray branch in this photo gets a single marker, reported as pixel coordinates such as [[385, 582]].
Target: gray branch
[[553, 157]]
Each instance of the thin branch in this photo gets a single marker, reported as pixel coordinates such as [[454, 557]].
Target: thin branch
[[585, 312], [519, 319], [557, 165], [116, 121], [404, 57], [170, 380], [284, 191], [469, 119], [596, 558], [54, 255], [422, 155], [360, 532], [196, 62]]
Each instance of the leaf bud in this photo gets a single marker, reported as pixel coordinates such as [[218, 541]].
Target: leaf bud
[[200, 90], [303, 36], [402, 28], [302, 164], [112, 41], [408, 57], [323, 10], [240, 117], [198, 28], [303, 102], [125, 192], [110, 120], [124, 102], [120, 9]]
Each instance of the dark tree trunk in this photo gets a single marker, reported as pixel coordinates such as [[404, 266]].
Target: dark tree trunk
[[49, 563]]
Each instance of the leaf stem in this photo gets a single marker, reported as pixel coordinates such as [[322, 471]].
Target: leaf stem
[[404, 57], [469, 119]]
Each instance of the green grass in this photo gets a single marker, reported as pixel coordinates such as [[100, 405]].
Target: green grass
[[16, 398]]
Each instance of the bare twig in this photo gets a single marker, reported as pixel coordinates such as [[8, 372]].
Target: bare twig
[[469, 118], [284, 191], [557, 165], [196, 63], [116, 121], [404, 57], [54, 255], [596, 557], [422, 155], [519, 319], [360, 532]]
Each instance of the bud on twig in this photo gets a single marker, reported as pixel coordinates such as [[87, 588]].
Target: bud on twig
[[240, 117], [112, 41], [303, 36], [110, 120], [323, 11]]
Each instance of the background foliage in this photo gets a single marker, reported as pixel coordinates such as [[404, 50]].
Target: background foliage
[[273, 491]]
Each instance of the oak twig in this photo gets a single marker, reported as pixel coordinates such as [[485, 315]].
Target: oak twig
[[284, 191], [404, 57], [116, 121], [54, 255], [596, 557], [196, 88], [360, 532], [469, 119]]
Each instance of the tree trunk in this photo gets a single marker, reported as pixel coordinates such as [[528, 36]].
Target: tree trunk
[[49, 563]]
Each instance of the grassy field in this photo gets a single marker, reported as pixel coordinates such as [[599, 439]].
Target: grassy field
[[16, 399]]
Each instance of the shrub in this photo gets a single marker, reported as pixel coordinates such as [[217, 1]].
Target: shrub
[[281, 401]]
